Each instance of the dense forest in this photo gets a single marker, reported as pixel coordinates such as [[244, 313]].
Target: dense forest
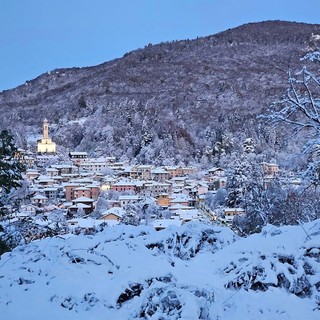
[[188, 101]]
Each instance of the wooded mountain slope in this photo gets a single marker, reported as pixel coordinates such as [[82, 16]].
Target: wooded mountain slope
[[170, 102]]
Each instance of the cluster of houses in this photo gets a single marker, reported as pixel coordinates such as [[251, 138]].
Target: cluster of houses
[[76, 184]]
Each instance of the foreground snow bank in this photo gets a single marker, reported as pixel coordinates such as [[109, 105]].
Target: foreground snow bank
[[193, 272]]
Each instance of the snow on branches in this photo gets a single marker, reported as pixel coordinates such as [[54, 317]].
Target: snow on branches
[[300, 107]]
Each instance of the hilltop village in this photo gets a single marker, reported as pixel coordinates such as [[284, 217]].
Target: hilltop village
[[81, 193]]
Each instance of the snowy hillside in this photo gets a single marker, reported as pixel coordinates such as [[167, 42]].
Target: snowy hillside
[[181, 101], [196, 271]]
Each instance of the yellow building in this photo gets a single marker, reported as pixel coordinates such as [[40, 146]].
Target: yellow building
[[163, 200], [46, 145]]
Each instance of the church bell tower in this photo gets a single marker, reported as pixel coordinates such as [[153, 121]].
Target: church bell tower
[[46, 145], [45, 129]]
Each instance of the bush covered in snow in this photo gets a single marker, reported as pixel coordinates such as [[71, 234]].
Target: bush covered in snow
[[197, 271]]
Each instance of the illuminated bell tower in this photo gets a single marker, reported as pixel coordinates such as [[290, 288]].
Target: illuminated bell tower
[[46, 145], [45, 129]]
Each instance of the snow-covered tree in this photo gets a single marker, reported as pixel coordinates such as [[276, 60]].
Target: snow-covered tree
[[300, 107], [236, 182], [131, 218], [299, 110], [112, 195], [101, 205], [80, 212], [254, 199], [249, 145], [152, 210], [217, 199], [10, 167]]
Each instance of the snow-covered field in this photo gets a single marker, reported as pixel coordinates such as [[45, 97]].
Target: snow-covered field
[[196, 271]]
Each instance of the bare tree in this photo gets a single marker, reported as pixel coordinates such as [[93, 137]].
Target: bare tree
[[300, 107], [299, 110]]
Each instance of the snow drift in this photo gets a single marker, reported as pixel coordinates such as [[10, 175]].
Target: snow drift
[[197, 271]]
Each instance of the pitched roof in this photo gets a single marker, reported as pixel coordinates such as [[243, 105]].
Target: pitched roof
[[115, 211], [80, 205], [83, 199], [39, 197]]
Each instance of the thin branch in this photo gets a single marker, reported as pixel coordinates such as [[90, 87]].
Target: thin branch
[[305, 83]]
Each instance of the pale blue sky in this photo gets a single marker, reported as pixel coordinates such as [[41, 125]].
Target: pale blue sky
[[40, 35]]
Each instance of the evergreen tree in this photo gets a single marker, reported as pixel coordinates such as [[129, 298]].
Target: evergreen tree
[[10, 177], [236, 183], [10, 168], [217, 199], [255, 200], [101, 205], [132, 215], [249, 146]]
